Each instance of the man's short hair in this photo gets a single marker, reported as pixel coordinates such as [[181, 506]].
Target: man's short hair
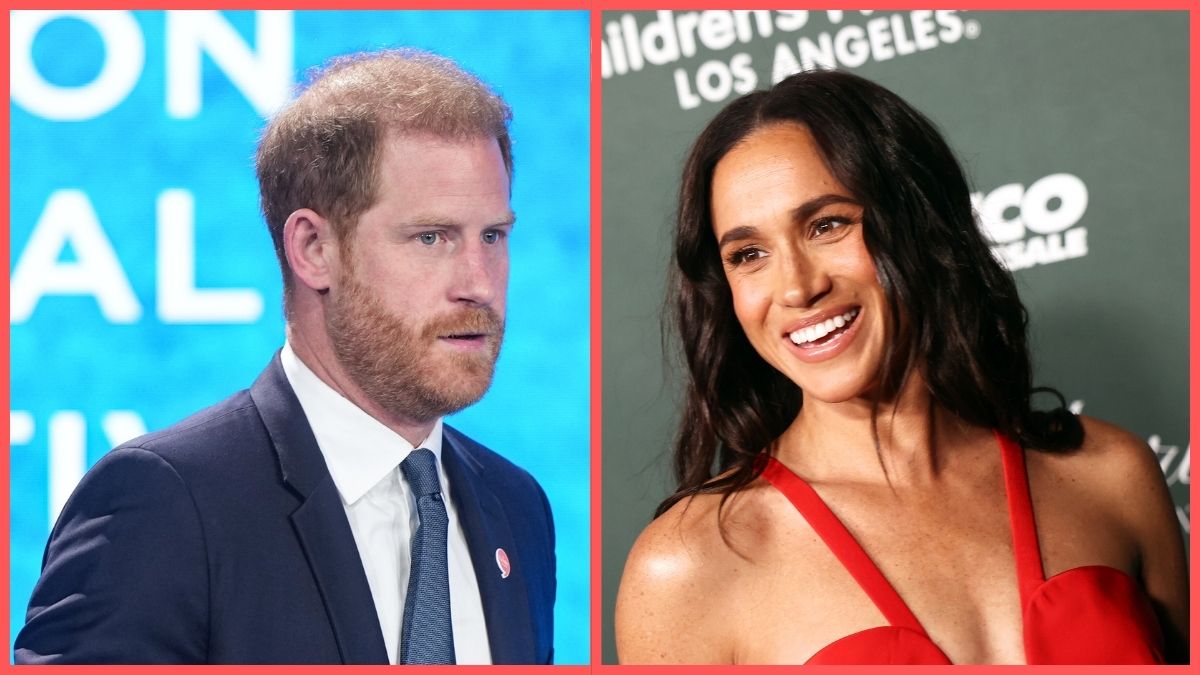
[[322, 151]]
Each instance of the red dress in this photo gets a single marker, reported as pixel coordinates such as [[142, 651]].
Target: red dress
[[1086, 615]]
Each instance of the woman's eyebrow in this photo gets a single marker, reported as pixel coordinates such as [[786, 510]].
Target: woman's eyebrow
[[808, 208], [800, 213], [737, 234]]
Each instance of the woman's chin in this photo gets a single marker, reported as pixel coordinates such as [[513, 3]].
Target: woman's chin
[[848, 393]]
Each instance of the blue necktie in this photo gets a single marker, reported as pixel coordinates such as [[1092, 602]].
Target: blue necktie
[[426, 636]]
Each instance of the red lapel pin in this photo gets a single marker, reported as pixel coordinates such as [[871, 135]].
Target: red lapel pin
[[502, 563]]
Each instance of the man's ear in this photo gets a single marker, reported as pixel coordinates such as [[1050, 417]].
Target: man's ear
[[311, 247]]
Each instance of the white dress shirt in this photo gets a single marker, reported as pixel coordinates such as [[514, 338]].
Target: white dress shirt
[[364, 456]]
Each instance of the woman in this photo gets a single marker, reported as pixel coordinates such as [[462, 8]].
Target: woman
[[852, 481]]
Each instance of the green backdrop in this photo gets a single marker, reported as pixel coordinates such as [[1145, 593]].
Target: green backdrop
[[1073, 129]]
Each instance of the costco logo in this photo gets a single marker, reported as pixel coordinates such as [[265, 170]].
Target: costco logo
[[1035, 225]]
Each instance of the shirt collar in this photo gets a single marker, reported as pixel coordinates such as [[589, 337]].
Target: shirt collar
[[359, 450]]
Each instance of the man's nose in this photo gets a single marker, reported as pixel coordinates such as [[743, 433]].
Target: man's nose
[[480, 274]]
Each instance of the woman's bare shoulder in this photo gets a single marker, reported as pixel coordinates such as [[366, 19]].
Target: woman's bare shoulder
[[1113, 459], [1113, 472], [1106, 437], [1107, 449], [679, 583], [700, 534], [1126, 474]]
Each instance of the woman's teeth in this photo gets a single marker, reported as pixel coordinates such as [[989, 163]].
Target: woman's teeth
[[820, 330]]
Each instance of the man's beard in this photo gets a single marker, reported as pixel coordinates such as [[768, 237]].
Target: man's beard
[[401, 367]]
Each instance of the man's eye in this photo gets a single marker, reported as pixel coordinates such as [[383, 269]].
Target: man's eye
[[428, 238], [492, 236]]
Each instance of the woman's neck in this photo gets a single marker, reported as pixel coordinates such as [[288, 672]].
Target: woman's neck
[[837, 441]]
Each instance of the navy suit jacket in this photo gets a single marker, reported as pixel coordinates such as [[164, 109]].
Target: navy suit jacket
[[223, 539]]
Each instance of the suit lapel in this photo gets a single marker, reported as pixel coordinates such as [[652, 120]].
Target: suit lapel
[[320, 521], [485, 523]]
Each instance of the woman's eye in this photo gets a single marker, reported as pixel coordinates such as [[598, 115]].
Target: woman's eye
[[826, 225], [745, 255]]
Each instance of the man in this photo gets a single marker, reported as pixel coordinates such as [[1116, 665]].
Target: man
[[326, 515]]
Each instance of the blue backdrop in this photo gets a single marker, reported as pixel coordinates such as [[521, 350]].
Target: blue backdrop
[[143, 282]]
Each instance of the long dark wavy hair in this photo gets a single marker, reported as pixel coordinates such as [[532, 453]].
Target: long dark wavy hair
[[955, 313]]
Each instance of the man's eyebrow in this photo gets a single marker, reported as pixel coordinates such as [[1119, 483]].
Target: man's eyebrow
[[439, 223]]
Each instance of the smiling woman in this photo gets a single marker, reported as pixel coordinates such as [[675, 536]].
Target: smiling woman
[[862, 474], [781, 270]]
